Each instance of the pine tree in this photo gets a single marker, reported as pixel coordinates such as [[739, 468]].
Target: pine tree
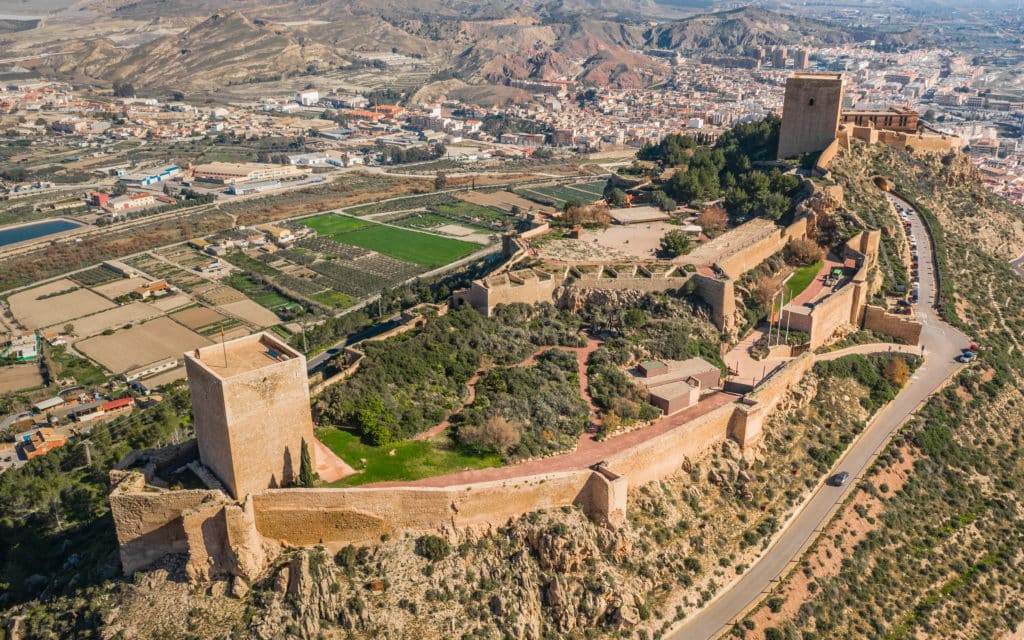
[[307, 476]]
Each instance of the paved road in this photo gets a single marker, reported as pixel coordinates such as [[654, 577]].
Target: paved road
[[1018, 266], [942, 344]]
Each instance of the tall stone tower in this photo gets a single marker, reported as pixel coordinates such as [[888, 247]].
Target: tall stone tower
[[250, 400], [810, 114]]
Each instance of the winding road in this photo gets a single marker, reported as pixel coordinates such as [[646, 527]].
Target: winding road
[[941, 344]]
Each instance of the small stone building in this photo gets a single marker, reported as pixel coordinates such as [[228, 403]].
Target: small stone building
[[674, 385]]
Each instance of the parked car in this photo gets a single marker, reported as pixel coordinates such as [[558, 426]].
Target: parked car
[[839, 479], [966, 356]]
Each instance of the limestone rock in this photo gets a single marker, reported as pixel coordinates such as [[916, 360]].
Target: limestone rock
[[628, 616]]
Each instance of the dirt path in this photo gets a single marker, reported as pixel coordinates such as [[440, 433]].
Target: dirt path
[[582, 355]]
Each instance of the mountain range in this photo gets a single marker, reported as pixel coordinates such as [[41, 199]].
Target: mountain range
[[198, 46]]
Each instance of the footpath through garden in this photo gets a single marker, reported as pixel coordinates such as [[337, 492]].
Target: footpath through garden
[[582, 356]]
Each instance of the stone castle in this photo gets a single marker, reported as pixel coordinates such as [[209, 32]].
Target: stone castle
[[226, 500]]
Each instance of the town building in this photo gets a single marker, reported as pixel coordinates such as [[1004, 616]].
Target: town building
[[149, 177], [40, 442], [893, 119], [308, 97], [801, 59], [130, 202], [22, 347], [235, 173]]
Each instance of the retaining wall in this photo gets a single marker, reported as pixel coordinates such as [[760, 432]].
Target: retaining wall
[[878, 319]]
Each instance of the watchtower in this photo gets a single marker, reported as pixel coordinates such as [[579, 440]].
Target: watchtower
[[250, 400], [810, 114]]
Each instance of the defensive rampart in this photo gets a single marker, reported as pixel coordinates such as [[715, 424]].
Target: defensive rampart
[[845, 306], [222, 536], [879, 320]]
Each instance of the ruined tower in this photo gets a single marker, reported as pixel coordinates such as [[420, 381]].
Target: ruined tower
[[250, 399], [810, 114]]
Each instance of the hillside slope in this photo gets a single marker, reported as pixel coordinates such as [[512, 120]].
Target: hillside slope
[[941, 553]]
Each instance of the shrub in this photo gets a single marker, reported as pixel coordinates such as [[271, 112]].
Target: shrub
[[433, 548], [896, 371], [675, 243], [803, 251], [713, 220], [775, 604], [495, 434], [346, 558]]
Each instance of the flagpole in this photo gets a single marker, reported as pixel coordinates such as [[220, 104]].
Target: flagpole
[[223, 346]]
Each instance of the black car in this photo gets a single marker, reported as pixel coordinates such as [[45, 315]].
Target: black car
[[839, 479]]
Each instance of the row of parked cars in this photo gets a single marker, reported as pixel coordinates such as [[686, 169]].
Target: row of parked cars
[[915, 287]]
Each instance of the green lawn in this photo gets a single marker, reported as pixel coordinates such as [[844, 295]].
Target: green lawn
[[331, 224], [412, 460], [409, 246], [802, 278]]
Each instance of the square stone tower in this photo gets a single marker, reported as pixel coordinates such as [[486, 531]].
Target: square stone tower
[[810, 114], [250, 400]]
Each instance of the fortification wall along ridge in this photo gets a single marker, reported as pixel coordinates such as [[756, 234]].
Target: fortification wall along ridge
[[221, 536]]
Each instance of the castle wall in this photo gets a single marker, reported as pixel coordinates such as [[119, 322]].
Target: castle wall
[[341, 516], [663, 455], [632, 284], [742, 261], [149, 524], [221, 537], [877, 319], [825, 159], [720, 295], [920, 143]]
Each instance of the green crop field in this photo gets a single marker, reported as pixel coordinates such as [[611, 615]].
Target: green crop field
[[333, 299], [409, 246], [331, 224], [257, 291], [412, 460]]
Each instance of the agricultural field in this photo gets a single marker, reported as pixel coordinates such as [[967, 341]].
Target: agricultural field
[[20, 376], [558, 195], [141, 345], [55, 303], [410, 246], [333, 225], [260, 293], [196, 318], [503, 200], [110, 319], [95, 276], [402, 204], [120, 287]]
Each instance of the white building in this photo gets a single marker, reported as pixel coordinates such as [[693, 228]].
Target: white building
[[308, 97]]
